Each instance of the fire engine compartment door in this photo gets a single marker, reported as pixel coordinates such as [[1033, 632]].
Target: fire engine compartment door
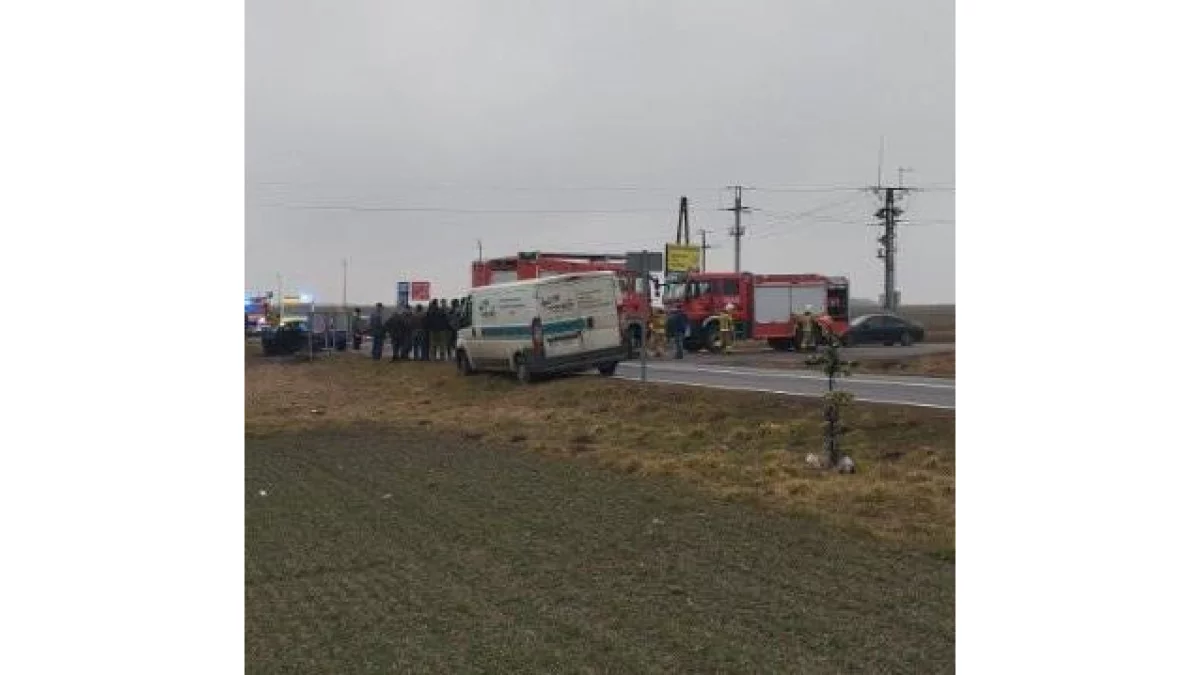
[[777, 303], [772, 304], [804, 296]]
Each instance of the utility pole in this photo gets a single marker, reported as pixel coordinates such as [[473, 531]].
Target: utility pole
[[479, 247], [704, 246], [888, 217], [345, 271], [683, 230], [738, 231]]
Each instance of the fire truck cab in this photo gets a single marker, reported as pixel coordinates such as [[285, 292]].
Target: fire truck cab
[[763, 305], [526, 265]]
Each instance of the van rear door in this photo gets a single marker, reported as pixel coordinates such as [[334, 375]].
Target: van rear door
[[598, 298], [559, 325]]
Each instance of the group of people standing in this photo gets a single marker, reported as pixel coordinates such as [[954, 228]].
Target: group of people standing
[[416, 333], [430, 334]]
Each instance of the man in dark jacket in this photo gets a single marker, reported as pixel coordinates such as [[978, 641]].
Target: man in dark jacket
[[448, 322], [456, 322], [406, 332], [356, 328], [395, 331], [375, 327], [677, 325], [420, 334], [438, 324]]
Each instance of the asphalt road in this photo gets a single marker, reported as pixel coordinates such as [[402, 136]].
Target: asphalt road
[[873, 351], [703, 371], [905, 390]]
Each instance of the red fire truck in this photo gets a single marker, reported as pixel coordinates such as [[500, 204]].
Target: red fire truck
[[763, 304], [535, 264]]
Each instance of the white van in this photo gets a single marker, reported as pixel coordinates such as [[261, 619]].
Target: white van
[[550, 325]]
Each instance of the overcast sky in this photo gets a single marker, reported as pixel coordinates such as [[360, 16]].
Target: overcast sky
[[416, 126]]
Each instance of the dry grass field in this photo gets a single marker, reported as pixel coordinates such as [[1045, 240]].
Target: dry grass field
[[937, 319], [400, 518], [892, 361]]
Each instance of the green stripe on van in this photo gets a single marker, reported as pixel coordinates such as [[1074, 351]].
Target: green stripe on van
[[523, 330]]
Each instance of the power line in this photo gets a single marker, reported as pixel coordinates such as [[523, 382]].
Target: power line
[[810, 188], [795, 216], [562, 188], [816, 209], [445, 209]]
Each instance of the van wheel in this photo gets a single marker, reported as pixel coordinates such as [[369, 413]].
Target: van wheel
[[523, 374], [607, 369], [906, 339], [464, 364]]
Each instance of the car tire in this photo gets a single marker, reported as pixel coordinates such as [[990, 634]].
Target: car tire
[[906, 339], [847, 340], [607, 369]]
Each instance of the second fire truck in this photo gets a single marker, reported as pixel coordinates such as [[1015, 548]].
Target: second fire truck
[[763, 305]]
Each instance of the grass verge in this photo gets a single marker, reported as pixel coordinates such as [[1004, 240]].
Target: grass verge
[[739, 446]]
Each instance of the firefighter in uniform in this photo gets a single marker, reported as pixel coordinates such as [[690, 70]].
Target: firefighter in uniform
[[725, 322], [804, 330], [824, 324], [658, 332]]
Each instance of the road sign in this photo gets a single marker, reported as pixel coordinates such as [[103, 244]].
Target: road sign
[[402, 292], [644, 261], [421, 291], [682, 258]]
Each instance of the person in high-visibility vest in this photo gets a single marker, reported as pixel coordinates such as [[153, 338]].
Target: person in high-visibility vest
[[725, 323], [804, 326], [824, 324], [658, 332]]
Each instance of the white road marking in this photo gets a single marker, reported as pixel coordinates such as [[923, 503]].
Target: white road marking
[[780, 392], [762, 372]]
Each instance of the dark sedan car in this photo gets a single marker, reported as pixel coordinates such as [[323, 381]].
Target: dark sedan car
[[294, 337], [888, 329]]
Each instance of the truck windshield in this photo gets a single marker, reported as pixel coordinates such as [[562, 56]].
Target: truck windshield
[[674, 292]]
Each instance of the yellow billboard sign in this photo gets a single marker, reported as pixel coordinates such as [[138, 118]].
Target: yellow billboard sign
[[682, 258]]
